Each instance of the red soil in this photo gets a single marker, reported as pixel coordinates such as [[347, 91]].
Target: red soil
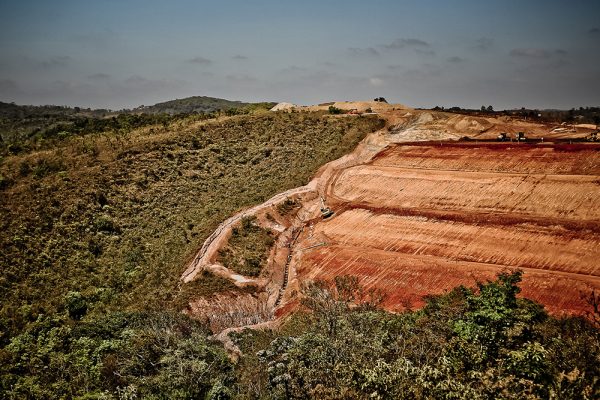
[[407, 279], [422, 219]]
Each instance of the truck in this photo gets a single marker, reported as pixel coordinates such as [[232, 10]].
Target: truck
[[503, 137]]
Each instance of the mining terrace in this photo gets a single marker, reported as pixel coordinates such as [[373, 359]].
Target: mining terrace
[[423, 218], [418, 212]]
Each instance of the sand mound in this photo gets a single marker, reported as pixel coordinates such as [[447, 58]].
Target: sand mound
[[586, 126], [283, 107], [363, 106], [425, 118], [469, 124], [360, 106]]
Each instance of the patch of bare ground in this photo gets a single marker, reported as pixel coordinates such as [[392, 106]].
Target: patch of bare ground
[[407, 278], [553, 196], [422, 219]]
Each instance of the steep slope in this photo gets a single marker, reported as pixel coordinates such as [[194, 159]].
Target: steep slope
[[421, 219]]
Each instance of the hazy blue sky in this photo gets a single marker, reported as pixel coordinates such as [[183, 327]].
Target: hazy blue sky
[[118, 53]]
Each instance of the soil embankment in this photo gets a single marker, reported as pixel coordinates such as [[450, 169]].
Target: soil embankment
[[422, 219]]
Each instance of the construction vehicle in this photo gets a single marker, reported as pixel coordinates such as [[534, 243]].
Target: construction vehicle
[[326, 212], [593, 137], [520, 137], [503, 137]]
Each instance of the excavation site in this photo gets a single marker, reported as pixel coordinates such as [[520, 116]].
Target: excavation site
[[431, 201]]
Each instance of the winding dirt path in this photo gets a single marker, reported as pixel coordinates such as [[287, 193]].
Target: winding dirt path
[[372, 144], [205, 257]]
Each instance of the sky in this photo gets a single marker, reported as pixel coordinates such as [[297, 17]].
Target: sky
[[121, 54]]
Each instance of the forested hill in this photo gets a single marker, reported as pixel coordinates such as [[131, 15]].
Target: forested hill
[[22, 125], [197, 104]]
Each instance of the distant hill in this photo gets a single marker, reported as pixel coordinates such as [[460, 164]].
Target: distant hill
[[19, 123], [22, 122], [14, 111], [197, 104]]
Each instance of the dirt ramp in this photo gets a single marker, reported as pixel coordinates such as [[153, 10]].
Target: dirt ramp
[[230, 310]]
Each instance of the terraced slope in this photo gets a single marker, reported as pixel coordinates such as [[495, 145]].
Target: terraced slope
[[421, 219]]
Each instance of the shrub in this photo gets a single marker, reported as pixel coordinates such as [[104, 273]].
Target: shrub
[[104, 223], [45, 167], [248, 248], [355, 351], [4, 182], [76, 305], [286, 206], [335, 110]]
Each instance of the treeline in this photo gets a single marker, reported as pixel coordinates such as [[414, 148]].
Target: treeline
[[19, 124], [50, 131], [15, 111], [581, 115], [468, 344], [23, 128]]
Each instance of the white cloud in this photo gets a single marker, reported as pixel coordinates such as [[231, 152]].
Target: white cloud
[[376, 81]]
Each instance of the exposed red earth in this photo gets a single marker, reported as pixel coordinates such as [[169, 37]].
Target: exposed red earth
[[422, 219]]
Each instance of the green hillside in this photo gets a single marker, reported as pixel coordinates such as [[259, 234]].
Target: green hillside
[[25, 127], [116, 215], [197, 104]]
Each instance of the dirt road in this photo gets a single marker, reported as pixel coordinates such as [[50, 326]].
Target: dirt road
[[206, 256]]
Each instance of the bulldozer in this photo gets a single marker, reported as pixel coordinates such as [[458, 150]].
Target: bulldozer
[[326, 212]]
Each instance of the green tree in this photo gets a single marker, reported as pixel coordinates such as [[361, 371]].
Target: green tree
[[334, 110]]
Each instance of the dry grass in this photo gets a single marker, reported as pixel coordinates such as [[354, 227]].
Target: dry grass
[[247, 250]]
